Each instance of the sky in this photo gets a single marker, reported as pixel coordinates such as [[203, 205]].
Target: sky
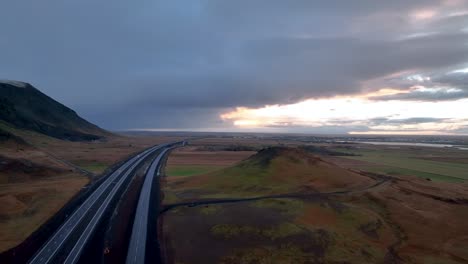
[[361, 66]]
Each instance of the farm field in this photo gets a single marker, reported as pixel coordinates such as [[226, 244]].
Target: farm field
[[189, 161], [432, 163]]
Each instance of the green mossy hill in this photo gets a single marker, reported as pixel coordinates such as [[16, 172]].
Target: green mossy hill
[[276, 170], [265, 157]]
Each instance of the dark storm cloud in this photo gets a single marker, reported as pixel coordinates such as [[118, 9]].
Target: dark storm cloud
[[435, 87], [406, 121], [180, 63], [451, 24], [454, 79], [325, 129], [441, 95]]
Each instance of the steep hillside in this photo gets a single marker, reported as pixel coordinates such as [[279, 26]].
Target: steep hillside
[[275, 170], [25, 107], [7, 137]]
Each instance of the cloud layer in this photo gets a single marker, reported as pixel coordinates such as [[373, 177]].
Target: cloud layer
[[180, 64]]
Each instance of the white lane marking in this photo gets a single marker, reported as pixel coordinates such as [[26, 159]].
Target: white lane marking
[[73, 256], [75, 253], [139, 230], [71, 221]]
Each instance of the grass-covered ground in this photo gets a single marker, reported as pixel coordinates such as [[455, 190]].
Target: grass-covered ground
[[410, 161], [95, 167], [278, 231], [271, 171], [403, 220], [36, 178], [26, 205], [189, 170]]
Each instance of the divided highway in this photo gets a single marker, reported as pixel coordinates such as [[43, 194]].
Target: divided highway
[[136, 253], [67, 243]]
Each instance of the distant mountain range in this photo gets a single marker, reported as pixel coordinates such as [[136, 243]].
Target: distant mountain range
[[22, 106]]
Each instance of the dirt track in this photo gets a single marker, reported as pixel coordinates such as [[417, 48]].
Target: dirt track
[[383, 180]]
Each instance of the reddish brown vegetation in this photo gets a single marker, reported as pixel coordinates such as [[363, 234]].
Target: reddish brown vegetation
[[405, 220]]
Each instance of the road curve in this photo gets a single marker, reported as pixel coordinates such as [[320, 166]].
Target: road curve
[[381, 182], [136, 253], [95, 204]]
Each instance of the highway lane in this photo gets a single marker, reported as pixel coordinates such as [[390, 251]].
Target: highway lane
[[76, 251], [136, 253], [49, 250]]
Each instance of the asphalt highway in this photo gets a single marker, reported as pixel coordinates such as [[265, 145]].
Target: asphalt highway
[[137, 248], [80, 225]]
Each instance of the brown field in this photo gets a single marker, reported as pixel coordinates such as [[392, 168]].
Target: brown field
[[192, 156], [224, 141], [95, 155], [408, 216], [99, 154], [431, 217], [406, 219], [39, 177], [25, 206]]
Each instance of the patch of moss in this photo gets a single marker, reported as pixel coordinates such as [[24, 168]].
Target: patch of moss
[[282, 230], [170, 197], [354, 252], [210, 209], [284, 254], [230, 231], [189, 170], [95, 167], [353, 217], [285, 206]]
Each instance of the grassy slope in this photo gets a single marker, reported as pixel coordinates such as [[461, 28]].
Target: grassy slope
[[25, 107], [273, 171], [94, 156], [25, 206], [43, 183], [189, 170], [33, 186]]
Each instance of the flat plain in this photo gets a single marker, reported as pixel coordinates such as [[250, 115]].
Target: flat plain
[[440, 164]]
